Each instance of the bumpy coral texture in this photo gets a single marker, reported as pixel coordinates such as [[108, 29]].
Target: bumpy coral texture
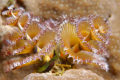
[[72, 74], [56, 8]]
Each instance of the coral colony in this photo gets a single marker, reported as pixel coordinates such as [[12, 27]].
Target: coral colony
[[60, 43]]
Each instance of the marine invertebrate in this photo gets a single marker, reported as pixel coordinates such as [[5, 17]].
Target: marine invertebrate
[[72, 39]]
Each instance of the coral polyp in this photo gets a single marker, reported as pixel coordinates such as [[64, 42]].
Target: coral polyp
[[66, 40]]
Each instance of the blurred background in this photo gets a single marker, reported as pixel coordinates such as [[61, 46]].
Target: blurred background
[[109, 9]]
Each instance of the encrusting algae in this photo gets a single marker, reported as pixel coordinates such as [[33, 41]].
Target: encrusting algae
[[55, 45]]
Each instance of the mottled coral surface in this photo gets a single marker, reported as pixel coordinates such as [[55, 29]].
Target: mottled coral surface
[[73, 74], [54, 8]]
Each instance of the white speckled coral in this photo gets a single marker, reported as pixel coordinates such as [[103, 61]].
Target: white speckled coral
[[55, 8]]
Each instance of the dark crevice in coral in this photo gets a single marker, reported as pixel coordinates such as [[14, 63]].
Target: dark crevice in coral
[[109, 16], [20, 3]]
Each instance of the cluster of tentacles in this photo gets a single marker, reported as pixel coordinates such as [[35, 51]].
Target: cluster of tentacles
[[75, 40]]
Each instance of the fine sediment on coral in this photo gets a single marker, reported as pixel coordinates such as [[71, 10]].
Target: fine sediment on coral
[[73, 74]]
